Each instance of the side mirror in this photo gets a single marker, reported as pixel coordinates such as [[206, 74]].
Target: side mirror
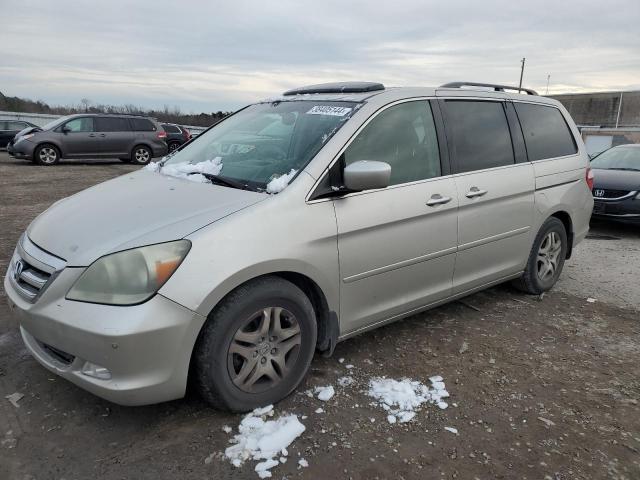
[[65, 130], [367, 175]]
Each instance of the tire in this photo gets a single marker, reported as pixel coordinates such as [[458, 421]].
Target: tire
[[546, 259], [141, 155], [235, 367], [173, 146], [46, 154]]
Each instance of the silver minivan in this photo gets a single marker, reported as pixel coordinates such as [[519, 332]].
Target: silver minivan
[[291, 225]]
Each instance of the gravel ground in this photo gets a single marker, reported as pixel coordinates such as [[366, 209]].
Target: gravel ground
[[540, 388]]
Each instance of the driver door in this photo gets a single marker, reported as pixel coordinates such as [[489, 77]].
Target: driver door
[[397, 245], [78, 137]]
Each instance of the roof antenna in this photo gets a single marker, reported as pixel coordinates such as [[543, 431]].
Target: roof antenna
[[521, 73]]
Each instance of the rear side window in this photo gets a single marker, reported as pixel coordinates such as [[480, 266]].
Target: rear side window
[[404, 136], [142, 125], [170, 128], [546, 133], [480, 134], [16, 125], [112, 124]]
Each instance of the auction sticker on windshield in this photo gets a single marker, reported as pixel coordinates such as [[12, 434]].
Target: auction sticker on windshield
[[329, 110]]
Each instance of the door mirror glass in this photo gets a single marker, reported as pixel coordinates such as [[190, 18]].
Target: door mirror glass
[[367, 175]]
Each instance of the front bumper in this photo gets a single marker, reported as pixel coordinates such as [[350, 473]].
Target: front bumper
[[146, 348], [623, 210], [23, 149]]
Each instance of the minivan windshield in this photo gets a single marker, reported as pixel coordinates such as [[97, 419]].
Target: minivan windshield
[[266, 141], [54, 123], [618, 158]]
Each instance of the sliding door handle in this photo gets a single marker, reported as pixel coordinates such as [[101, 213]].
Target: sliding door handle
[[475, 192], [438, 199]]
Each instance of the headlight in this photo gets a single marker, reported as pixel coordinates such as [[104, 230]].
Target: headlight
[[131, 276], [25, 137], [637, 197]]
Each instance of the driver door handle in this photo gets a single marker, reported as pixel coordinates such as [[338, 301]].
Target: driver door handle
[[437, 199], [92, 134], [475, 192]]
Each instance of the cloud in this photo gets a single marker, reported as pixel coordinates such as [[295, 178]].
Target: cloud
[[222, 55]]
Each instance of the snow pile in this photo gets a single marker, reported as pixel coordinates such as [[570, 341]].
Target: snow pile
[[189, 171], [279, 183], [402, 398], [265, 440], [325, 393]]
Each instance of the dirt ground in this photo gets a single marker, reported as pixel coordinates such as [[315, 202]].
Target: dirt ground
[[540, 388]]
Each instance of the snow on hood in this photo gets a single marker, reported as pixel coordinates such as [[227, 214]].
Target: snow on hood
[[130, 211]]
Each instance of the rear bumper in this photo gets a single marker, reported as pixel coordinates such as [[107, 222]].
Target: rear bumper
[[160, 150]]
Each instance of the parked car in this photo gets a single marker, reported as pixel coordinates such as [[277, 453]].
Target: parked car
[[130, 138], [616, 190], [319, 215], [10, 128], [176, 135]]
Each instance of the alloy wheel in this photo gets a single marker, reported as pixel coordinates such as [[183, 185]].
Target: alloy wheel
[[48, 155], [142, 155], [264, 349], [549, 255]]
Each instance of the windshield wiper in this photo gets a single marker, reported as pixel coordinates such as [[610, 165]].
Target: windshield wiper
[[625, 169], [226, 181]]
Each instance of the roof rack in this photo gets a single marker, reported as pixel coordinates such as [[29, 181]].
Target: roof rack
[[497, 88], [338, 87]]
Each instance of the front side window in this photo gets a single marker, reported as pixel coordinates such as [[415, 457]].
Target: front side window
[[266, 141], [112, 124], [77, 125], [546, 133], [618, 158], [481, 136], [404, 136]]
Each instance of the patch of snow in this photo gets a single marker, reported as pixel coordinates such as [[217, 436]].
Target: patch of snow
[[227, 429], [325, 393], [452, 430], [319, 410], [188, 171], [14, 398], [349, 367], [345, 381], [262, 439], [341, 360], [303, 463], [591, 300], [402, 398], [278, 184]]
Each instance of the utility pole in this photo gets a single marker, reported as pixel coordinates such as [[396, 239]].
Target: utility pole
[[619, 110], [521, 74], [547, 92]]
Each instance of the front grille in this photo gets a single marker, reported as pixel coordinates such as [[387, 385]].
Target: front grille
[[605, 193], [32, 269], [30, 279]]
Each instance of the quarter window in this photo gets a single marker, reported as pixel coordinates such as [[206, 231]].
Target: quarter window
[[16, 125], [112, 124], [546, 133], [142, 125], [80, 125], [404, 136], [480, 134]]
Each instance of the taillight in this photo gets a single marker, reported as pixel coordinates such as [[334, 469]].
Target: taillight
[[186, 133], [162, 134], [590, 178]]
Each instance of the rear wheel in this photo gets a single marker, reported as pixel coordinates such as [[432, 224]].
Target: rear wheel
[[256, 346], [173, 146], [546, 259], [46, 155], [141, 155]]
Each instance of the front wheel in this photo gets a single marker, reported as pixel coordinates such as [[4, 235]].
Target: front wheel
[[46, 155], [256, 346], [141, 155], [546, 259]]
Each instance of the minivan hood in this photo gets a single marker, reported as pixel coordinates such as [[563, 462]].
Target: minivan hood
[[133, 210], [616, 179]]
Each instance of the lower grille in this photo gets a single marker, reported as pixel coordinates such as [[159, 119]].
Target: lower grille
[[62, 357]]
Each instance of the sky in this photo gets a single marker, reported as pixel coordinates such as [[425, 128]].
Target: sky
[[221, 55]]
